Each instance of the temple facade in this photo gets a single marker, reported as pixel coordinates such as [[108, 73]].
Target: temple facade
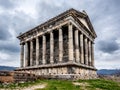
[[62, 47]]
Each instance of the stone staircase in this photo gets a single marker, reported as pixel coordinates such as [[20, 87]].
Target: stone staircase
[[23, 77]]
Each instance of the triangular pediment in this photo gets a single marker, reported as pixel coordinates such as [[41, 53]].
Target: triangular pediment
[[83, 21], [80, 17]]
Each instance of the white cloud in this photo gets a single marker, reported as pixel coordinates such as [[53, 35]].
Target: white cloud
[[4, 56]]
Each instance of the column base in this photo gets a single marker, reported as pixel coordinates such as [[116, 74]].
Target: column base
[[71, 61], [51, 62]]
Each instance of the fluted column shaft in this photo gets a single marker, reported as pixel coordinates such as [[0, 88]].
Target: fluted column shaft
[[81, 48], [51, 47], [37, 50], [86, 51], [31, 53], [76, 46], [22, 55], [70, 41], [44, 50], [60, 45], [89, 52], [26, 54], [92, 48]]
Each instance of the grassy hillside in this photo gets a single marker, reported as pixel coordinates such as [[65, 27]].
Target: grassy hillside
[[97, 84]]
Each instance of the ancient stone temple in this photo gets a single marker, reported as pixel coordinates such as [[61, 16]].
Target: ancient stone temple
[[62, 47]]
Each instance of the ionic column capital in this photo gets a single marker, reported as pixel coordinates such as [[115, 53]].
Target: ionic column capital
[[44, 36], [22, 43], [59, 27], [37, 37], [69, 23]]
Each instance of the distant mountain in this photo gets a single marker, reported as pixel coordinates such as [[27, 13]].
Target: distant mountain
[[108, 71], [7, 68]]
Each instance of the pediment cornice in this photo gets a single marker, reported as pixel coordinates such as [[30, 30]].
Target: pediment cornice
[[53, 21]]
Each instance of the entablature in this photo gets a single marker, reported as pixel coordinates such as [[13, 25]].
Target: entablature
[[68, 16]]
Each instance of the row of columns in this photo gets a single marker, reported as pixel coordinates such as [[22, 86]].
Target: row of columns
[[86, 53], [83, 54]]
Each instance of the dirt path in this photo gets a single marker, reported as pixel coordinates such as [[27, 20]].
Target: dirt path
[[40, 86], [33, 87], [83, 85]]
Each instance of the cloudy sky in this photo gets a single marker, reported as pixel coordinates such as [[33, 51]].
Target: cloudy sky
[[18, 16]]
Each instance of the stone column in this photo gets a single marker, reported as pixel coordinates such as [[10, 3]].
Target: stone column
[[76, 46], [60, 45], [22, 55], [89, 52], [81, 48], [37, 50], [26, 54], [44, 49], [31, 53], [51, 47], [70, 42], [92, 54], [86, 51]]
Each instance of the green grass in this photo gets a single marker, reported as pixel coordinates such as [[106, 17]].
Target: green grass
[[102, 84], [68, 85], [60, 85]]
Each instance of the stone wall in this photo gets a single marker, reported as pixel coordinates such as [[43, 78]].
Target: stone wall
[[67, 72]]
